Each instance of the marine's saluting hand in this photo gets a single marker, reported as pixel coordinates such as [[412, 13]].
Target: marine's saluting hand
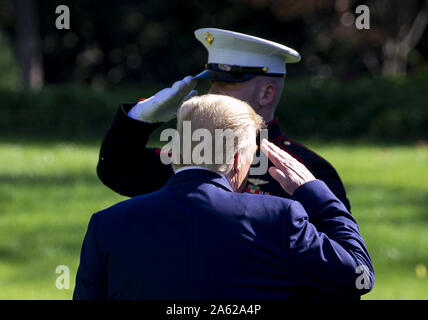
[[163, 105], [289, 172]]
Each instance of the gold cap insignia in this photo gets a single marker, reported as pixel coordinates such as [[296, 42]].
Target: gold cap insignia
[[257, 182], [209, 38]]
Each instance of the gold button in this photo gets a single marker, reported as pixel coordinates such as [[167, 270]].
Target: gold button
[[286, 143], [265, 69]]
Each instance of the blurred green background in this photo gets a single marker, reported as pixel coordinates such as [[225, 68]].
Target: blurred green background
[[359, 98]]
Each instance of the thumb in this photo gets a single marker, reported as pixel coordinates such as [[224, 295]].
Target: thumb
[[185, 85], [280, 176], [277, 174], [191, 94]]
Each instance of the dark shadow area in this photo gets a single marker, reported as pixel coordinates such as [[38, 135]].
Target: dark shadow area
[[66, 239], [12, 255], [394, 113], [390, 198], [51, 180]]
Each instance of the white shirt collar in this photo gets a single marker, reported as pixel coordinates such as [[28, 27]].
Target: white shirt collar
[[190, 167], [198, 167]]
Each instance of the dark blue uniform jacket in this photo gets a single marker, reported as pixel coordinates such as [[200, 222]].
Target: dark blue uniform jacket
[[196, 239]]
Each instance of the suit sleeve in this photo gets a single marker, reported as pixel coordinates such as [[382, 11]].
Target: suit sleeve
[[91, 274], [125, 165], [326, 248]]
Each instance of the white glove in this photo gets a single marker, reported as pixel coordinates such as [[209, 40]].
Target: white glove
[[163, 105]]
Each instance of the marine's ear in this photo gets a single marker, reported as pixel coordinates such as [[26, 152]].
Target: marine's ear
[[267, 94]]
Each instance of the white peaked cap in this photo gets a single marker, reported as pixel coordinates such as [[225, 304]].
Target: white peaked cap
[[236, 49]]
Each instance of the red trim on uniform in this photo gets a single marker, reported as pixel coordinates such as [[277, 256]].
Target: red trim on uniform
[[272, 122], [300, 145], [280, 144], [142, 99], [159, 150], [277, 140]]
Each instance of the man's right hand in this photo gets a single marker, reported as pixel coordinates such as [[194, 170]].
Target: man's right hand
[[163, 106], [289, 172]]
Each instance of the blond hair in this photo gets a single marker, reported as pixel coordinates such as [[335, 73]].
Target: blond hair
[[211, 112]]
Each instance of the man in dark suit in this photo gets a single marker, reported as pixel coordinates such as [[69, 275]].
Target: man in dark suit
[[198, 237], [245, 67]]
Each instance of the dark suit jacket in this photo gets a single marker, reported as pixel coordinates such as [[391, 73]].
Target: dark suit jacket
[[196, 239], [128, 168]]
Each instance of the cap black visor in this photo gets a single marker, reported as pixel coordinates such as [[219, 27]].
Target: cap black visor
[[216, 75]]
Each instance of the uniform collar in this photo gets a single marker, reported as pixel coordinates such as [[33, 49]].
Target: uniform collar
[[274, 131], [200, 174]]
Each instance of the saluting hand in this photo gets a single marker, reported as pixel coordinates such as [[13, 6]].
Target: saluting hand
[[163, 105], [289, 172]]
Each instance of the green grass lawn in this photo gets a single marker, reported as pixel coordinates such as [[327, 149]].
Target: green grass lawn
[[49, 191]]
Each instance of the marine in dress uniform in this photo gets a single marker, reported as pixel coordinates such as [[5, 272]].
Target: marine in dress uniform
[[127, 167]]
